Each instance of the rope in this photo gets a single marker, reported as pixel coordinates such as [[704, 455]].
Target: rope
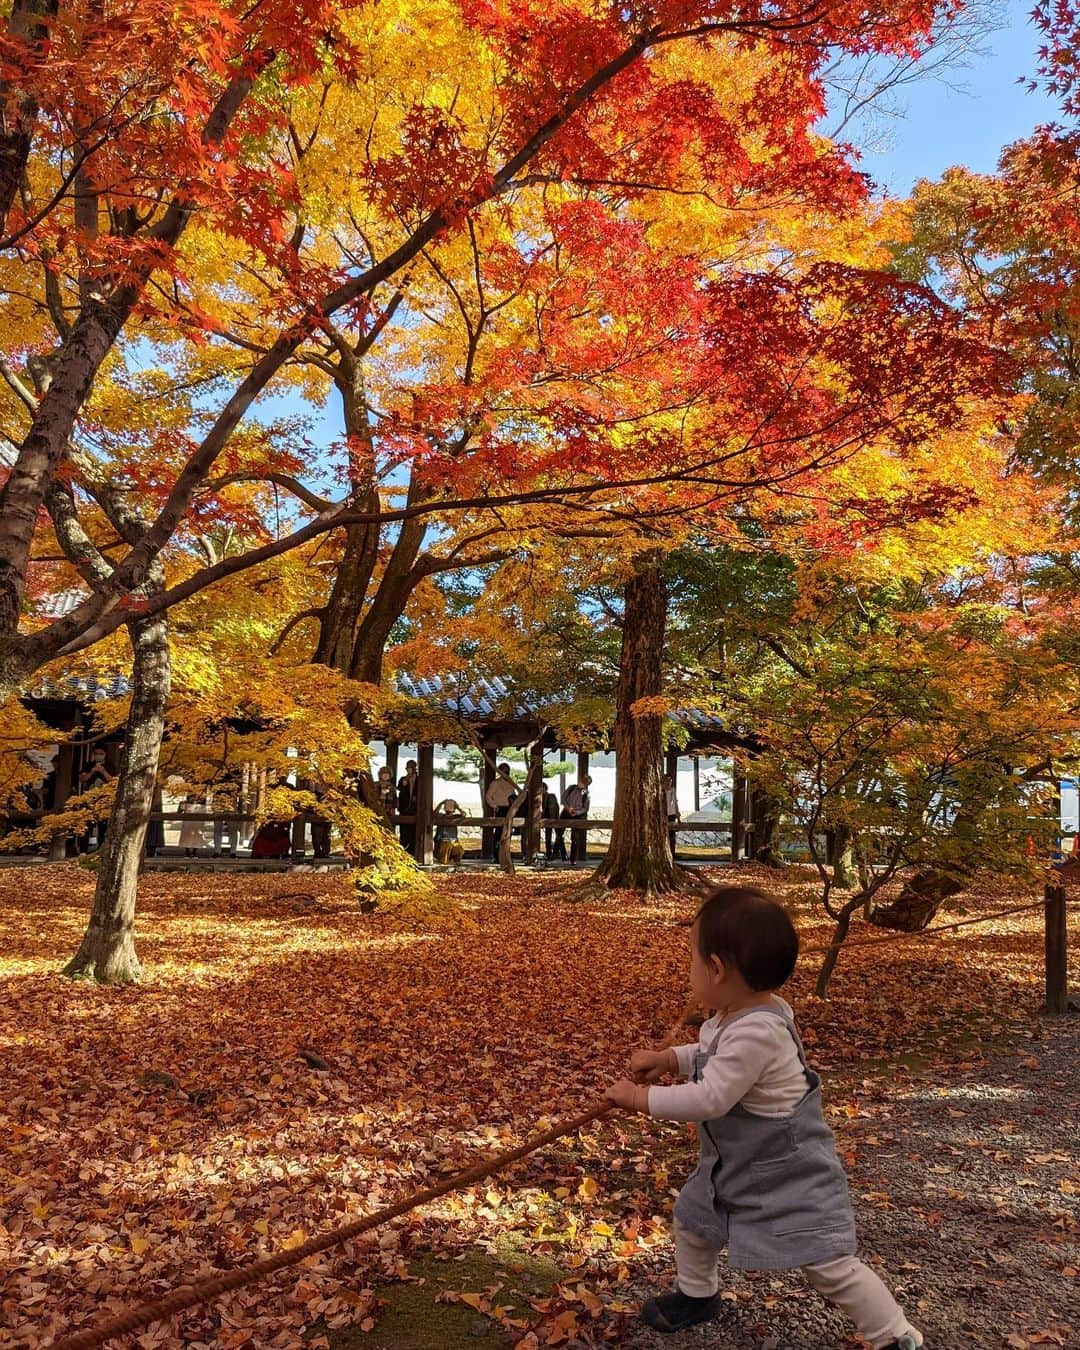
[[202, 1291], [920, 933]]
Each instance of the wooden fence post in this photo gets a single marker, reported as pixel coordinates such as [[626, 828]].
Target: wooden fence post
[[488, 836], [738, 816], [1057, 950], [424, 852], [534, 803]]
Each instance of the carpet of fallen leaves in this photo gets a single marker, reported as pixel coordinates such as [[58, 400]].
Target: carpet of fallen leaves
[[289, 1064]]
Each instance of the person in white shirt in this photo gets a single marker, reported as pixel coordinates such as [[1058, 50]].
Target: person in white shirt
[[500, 793], [769, 1185]]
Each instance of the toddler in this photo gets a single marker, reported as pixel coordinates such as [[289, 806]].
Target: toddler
[[769, 1185]]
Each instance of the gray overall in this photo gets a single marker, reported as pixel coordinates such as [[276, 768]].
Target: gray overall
[[770, 1189]]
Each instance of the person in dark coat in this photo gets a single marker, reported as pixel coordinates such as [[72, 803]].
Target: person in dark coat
[[407, 792], [576, 807], [549, 810]]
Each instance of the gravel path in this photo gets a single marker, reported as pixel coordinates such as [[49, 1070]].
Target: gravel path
[[968, 1199]]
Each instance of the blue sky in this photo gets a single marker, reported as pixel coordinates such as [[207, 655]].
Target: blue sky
[[943, 126]]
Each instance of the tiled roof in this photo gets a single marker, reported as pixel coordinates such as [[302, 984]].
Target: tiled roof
[[77, 688], [487, 696], [81, 689], [490, 697], [56, 606], [479, 697]]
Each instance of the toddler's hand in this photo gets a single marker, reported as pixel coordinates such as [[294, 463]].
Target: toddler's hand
[[627, 1095], [648, 1066]]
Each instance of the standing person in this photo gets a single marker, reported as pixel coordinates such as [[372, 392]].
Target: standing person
[[448, 816], [501, 792], [769, 1185], [549, 810], [192, 834], [576, 807], [320, 829], [671, 805], [222, 801], [386, 794], [155, 829], [94, 775], [406, 805]]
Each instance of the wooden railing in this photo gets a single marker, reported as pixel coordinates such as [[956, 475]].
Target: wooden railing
[[299, 823]]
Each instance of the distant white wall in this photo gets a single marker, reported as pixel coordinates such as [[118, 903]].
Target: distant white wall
[[715, 779]]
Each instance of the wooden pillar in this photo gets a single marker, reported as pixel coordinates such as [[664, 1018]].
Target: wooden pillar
[[487, 777], [392, 749], [425, 801], [299, 835], [738, 814], [671, 768], [1057, 950], [62, 783], [697, 783], [582, 763], [534, 803]]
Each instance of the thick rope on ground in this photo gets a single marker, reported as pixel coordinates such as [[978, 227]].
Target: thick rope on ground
[[202, 1291], [919, 933]]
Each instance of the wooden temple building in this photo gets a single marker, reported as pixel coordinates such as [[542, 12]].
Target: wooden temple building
[[487, 717]]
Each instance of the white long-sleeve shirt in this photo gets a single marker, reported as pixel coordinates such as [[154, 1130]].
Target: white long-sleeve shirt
[[501, 792], [755, 1063]]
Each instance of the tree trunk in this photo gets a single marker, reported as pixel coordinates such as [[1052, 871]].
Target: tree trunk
[[924, 893], [353, 578], [639, 856], [21, 110], [842, 857], [843, 924], [15, 668], [399, 579], [921, 898], [107, 952], [338, 624], [766, 816]]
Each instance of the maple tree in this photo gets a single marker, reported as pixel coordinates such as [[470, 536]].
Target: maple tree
[[907, 705], [221, 248], [112, 189]]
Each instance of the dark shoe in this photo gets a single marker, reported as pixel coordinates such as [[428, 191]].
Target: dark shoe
[[677, 1311]]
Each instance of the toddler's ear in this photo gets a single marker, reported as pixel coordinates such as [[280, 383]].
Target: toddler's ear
[[717, 969]]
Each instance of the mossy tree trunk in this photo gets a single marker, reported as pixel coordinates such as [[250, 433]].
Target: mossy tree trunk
[[920, 899], [639, 855], [107, 953], [841, 854], [766, 816], [926, 891]]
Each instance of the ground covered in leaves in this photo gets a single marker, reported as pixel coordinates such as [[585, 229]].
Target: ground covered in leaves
[[290, 1063]]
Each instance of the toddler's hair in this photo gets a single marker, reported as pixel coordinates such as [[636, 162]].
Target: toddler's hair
[[746, 928]]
